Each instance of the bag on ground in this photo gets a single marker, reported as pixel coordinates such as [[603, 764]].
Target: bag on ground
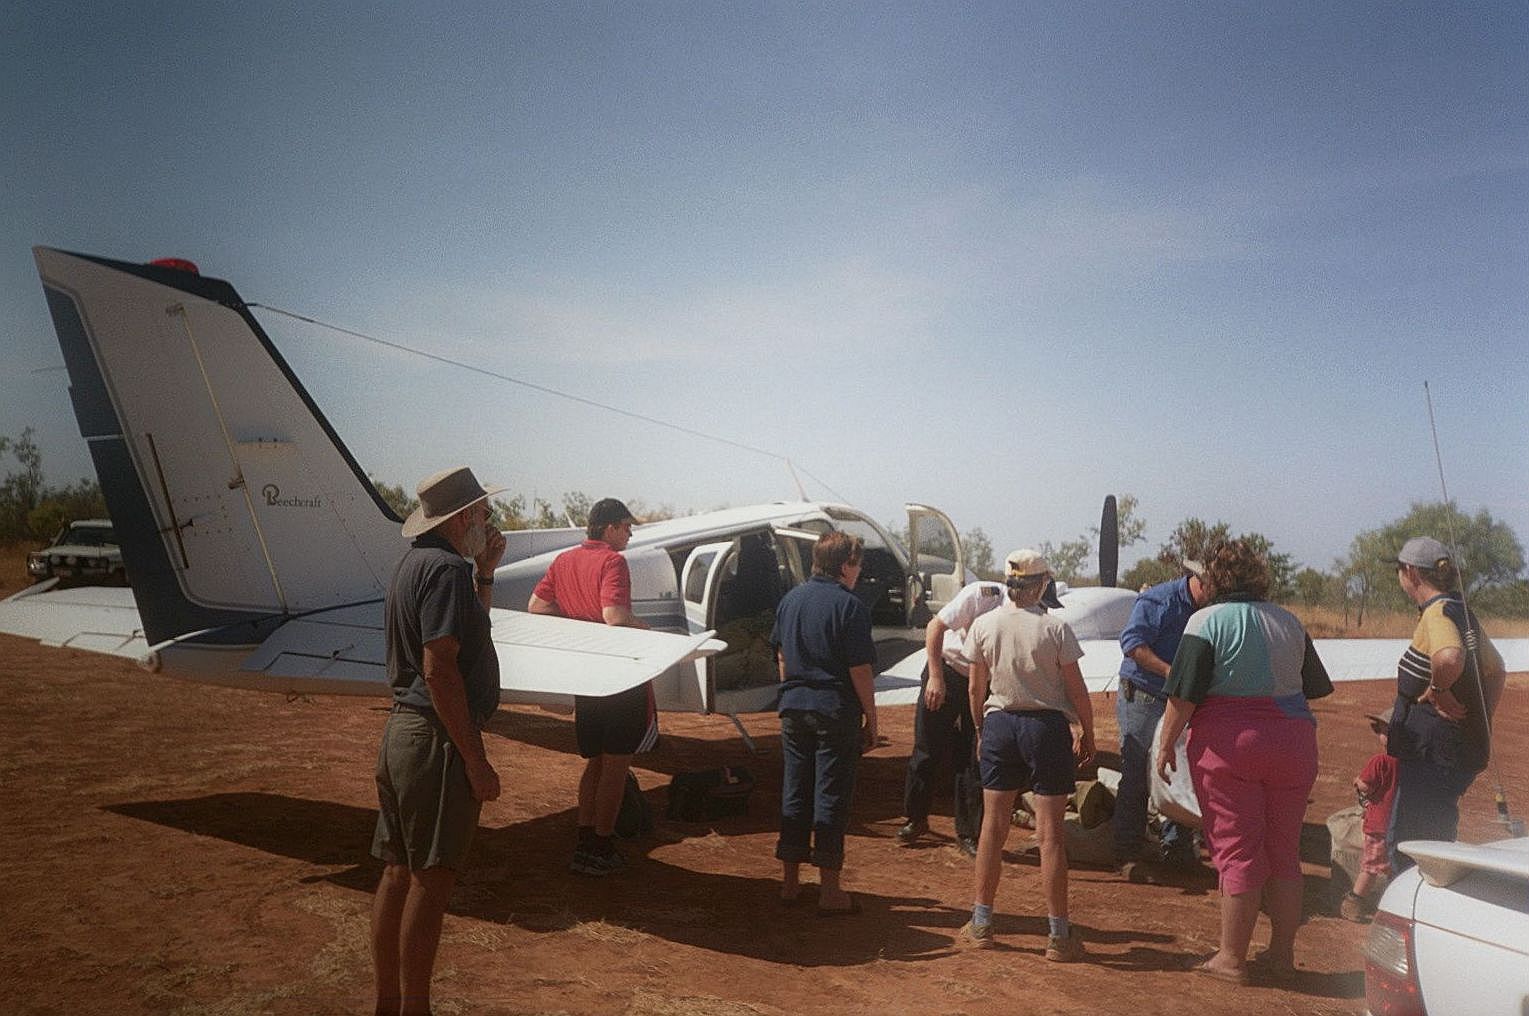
[[710, 794]]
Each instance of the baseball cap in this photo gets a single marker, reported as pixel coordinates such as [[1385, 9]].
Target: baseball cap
[[1025, 563], [1422, 552]]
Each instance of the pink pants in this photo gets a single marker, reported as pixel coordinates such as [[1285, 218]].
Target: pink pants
[[1252, 768]]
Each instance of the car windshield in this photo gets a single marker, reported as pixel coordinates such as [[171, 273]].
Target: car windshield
[[89, 536]]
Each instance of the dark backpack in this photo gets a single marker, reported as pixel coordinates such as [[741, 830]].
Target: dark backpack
[[636, 815], [710, 794]]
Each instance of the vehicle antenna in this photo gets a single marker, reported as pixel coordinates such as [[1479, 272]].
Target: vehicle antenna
[[1514, 826]]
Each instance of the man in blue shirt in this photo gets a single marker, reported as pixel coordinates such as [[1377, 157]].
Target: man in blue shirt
[[827, 662], [1148, 642]]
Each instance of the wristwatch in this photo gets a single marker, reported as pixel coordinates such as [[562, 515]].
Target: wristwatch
[[485, 580]]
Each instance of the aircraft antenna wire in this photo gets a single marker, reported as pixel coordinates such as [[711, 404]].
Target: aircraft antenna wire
[[1472, 640], [496, 375]]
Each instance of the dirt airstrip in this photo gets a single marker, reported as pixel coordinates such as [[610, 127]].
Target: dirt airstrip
[[174, 848]]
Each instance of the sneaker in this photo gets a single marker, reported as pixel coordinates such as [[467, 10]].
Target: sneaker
[[1355, 908], [977, 936], [1064, 948], [966, 845], [912, 831], [587, 862]]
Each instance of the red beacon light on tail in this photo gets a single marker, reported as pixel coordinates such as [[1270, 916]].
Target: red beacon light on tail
[[179, 264]]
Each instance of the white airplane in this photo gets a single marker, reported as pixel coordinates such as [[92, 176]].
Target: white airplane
[[258, 552]]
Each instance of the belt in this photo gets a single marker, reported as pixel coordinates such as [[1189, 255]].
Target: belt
[[1130, 691], [408, 707]]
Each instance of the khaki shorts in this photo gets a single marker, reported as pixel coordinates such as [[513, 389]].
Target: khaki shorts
[[427, 814]]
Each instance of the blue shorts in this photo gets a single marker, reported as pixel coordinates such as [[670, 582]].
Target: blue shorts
[[1029, 750]]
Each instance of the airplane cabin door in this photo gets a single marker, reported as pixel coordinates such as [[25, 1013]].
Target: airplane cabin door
[[936, 553], [700, 581]]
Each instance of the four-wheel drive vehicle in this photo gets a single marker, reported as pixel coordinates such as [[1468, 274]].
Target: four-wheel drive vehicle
[[1452, 934], [85, 549]]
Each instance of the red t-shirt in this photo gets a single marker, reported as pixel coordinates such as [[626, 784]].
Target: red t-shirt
[[1380, 776], [585, 580]]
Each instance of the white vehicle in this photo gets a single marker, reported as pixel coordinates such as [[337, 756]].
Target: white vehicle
[[86, 549], [1452, 934]]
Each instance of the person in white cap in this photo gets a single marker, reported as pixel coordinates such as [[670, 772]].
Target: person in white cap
[[433, 774], [1440, 728], [942, 719], [1026, 690]]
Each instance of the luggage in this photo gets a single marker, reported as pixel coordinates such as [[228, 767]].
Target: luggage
[[710, 794]]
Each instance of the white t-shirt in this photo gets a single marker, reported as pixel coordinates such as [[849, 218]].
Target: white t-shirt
[[974, 600], [1025, 651]]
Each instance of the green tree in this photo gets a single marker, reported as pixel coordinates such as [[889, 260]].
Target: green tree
[[20, 492], [1311, 586], [1195, 539], [1130, 527], [1490, 557], [979, 553], [62, 505], [397, 498], [1149, 571], [1067, 560]]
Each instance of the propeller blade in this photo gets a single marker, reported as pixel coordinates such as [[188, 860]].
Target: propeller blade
[[1109, 543]]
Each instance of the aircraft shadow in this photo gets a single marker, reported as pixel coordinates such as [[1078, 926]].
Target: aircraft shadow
[[519, 875]]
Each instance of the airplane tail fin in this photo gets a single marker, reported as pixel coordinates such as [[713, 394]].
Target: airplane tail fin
[[235, 503]]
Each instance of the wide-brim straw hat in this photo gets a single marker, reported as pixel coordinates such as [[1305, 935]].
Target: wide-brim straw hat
[[442, 495]]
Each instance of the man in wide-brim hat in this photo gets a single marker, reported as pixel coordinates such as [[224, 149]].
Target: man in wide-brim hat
[[432, 772]]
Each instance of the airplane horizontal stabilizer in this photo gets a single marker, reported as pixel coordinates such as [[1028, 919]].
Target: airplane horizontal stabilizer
[[97, 619]]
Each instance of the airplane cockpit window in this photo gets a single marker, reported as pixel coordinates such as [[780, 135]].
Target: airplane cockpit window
[[882, 578]]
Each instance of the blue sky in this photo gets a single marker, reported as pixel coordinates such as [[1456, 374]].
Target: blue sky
[[1003, 259]]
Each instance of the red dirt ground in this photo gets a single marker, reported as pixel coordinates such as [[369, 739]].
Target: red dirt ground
[[174, 848]]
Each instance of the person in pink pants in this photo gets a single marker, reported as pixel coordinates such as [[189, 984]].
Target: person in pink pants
[[1241, 680]]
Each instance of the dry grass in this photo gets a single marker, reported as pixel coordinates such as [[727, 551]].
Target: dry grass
[[13, 565], [1329, 623]]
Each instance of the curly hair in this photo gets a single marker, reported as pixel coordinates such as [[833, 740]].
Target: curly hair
[[1235, 567]]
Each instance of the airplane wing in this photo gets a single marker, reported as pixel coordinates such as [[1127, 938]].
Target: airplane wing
[[898, 685], [99, 619], [1371, 659], [541, 659]]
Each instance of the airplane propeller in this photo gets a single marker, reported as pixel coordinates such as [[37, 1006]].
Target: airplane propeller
[[1109, 543]]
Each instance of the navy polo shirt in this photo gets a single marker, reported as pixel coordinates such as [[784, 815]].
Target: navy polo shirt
[[1157, 621], [821, 631]]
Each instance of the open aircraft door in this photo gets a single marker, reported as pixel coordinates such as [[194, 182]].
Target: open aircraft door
[[700, 583], [937, 557]]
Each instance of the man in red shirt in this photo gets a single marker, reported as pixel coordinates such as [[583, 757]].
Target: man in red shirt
[[591, 582]]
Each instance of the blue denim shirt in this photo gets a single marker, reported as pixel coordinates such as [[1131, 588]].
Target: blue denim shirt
[[1157, 622]]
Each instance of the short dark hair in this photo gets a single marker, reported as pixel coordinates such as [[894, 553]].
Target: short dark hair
[[606, 512], [833, 551]]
